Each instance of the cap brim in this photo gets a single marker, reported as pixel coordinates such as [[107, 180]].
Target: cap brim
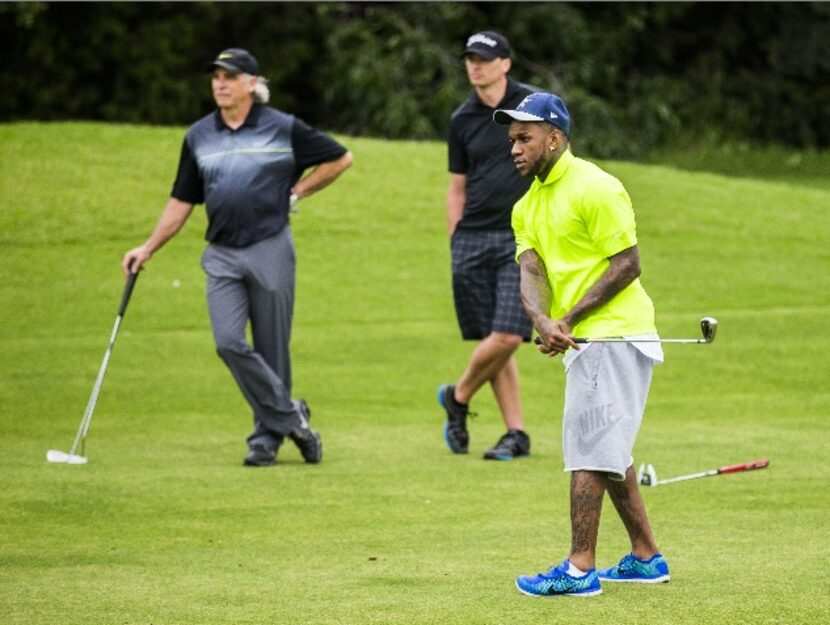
[[231, 68], [503, 116], [487, 55]]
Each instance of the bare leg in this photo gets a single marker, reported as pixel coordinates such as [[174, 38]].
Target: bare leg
[[487, 360], [629, 504], [587, 492], [506, 389]]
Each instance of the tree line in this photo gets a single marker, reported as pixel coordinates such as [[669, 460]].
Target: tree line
[[635, 75]]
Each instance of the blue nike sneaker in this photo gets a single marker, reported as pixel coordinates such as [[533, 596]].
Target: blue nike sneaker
[[632, 569], [558, 582]]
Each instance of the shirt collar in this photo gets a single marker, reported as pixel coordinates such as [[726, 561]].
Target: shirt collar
[[513, 87], [561, 166], [251, 120], [511, 91]]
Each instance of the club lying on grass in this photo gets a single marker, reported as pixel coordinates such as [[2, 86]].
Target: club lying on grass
[[73, 457], [708, 327], [647, 475]]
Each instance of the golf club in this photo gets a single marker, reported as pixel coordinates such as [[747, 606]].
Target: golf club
[[647, 475], [708, 327], [73, 457]]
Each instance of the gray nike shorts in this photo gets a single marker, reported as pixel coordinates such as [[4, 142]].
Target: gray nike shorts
[[605, 395]]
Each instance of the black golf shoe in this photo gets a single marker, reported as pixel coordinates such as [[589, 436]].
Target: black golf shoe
[[306, 439], [260, 456], [455, 429], [512, 445]]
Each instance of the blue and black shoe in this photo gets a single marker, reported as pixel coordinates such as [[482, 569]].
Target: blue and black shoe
[[455, 429], [632, 569], [558, 581], [512, 445]]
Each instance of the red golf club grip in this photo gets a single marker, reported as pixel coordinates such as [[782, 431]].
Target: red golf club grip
[[744, 466]]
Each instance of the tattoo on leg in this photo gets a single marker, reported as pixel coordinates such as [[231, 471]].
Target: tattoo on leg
[[629, 504], [586, 506]]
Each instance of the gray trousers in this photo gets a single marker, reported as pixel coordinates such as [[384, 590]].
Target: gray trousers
[[256, 284]]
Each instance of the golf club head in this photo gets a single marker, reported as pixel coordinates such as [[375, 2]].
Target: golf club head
[[709, 328], [647, 476], [61, 457]]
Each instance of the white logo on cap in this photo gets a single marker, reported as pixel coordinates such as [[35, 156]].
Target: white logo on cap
[[525, 102], [487, 41], [554, 115]]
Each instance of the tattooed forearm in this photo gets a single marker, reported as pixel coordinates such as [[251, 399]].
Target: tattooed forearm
[[535, 287], [623, 270]]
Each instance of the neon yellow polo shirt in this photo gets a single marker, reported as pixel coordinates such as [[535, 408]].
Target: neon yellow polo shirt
[[577, 218]]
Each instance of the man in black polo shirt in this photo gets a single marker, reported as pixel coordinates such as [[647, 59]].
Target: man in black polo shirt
[[484, 185], [245, 162]]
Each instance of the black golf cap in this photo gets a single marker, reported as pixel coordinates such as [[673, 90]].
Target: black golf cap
[[237, 61], [488, 45]]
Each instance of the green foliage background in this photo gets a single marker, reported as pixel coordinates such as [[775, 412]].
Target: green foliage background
[[635, 75]]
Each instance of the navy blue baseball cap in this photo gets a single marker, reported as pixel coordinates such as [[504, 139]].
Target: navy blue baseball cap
[[236, 61], [538, 107]]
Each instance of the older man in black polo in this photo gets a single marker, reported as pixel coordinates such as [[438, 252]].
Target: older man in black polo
[[245, 162]]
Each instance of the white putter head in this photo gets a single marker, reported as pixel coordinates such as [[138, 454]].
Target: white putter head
[[61, 457]]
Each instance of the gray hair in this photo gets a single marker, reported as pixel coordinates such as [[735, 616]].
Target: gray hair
[[261, 92]]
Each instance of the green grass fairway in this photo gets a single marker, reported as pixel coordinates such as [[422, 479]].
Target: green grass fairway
[[165, 527]]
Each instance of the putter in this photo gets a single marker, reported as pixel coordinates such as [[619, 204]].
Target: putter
[[708, 327], [647, 475], [74, 457]]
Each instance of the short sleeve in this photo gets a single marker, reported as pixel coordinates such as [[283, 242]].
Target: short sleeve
[[609, 216], [524, 241], [456, 152], [188, 185], [312, 147]]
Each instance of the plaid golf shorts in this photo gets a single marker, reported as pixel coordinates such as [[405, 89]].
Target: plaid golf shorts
[[485, 283]]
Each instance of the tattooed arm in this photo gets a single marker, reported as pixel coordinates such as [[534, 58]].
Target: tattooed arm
[[537, 297], [623, 270]]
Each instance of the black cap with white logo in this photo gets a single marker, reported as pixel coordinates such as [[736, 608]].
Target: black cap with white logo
[[236, 61], [488, 45]]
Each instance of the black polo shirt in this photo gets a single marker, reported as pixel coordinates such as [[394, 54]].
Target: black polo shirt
[[479, 148], [245, 176]]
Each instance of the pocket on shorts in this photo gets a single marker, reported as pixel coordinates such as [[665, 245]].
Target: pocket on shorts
[[589, 363]]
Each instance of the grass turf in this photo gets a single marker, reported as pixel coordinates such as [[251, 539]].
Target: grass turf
[[165, 525]]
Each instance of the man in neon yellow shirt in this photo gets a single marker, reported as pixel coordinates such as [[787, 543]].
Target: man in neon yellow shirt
[[577, 248]]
